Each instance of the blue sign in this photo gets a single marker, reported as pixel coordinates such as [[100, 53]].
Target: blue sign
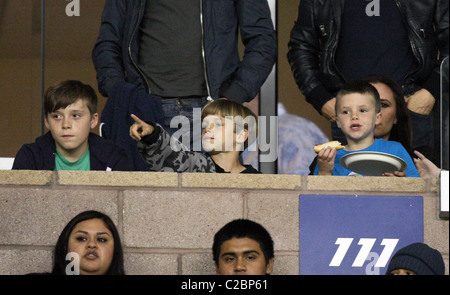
[[352, 234]]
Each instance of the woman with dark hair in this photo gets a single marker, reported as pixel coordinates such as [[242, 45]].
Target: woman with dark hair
[[94, 239], [395, 124]]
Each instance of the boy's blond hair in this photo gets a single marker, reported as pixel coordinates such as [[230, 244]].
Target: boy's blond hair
[[242, 116]]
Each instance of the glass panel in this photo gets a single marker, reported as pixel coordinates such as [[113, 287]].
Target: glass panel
[[444, 115], [268, 160], [20, 74], [71, 29]]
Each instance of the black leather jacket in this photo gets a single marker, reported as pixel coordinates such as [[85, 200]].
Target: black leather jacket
[[315, 36]]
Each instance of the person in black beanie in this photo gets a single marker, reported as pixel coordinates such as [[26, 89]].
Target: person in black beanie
[[416, 259]]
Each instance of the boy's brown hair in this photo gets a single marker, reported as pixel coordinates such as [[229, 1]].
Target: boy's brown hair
[[66, 93], [243, 117], [361, 87]]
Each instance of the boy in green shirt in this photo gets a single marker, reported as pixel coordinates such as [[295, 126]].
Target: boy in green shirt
[[70, 113]]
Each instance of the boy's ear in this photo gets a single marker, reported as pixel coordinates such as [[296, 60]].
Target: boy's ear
[[94, 120], [378, 119], [242, 136]]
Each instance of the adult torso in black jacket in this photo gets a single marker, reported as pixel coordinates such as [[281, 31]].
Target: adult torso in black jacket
[[40, 155], [315, 36]]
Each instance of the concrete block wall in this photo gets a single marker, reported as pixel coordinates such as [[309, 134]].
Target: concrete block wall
[[167, 220]]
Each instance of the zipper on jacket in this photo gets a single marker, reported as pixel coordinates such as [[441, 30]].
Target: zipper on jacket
[[334, 48], [413, 46], [322, 30], [129, 47], [423, 33], [335, 30], [205, 72]]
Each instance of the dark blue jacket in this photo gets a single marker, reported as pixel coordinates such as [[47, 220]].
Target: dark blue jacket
[[126, 99], [40, 155], [116, 52]]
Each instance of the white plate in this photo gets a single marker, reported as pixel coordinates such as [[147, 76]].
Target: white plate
[[372, 163]]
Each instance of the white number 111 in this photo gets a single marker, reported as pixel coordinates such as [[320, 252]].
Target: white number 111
[[366, 247]]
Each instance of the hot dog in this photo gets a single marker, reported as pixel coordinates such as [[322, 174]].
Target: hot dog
[[336, 144]]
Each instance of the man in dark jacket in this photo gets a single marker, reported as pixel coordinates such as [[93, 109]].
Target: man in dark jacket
[[334, 41], [70, 114], [184, 52]]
